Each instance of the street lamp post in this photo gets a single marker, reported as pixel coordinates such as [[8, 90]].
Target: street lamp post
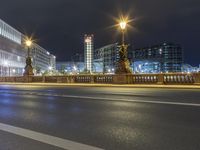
[[123, 27], [123, 65], [28, 71]]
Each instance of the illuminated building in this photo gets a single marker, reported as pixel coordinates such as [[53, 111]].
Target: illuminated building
[[70, 67], [12, 56], [186, 68], [88, 52], [13, 53], [107, 57], [166, 57], [42, 59]]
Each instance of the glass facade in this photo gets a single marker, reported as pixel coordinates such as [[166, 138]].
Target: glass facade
[[12, 54], [167, 57], [9, 32], [108, 57], [11, 64], [42, 60]]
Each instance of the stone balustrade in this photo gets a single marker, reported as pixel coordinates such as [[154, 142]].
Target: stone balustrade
[[169, 78]]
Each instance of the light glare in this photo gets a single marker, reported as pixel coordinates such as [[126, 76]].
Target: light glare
[[123, 25], [28, 43]]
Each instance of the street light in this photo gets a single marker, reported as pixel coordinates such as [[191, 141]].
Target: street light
[[28, 68], [123, 25], [123, 65], [28, 44]]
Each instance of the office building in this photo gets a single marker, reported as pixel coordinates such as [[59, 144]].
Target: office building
[[12, 56], [88, 52], [166, 57], [13, 53], [42, 60], [107, 56]]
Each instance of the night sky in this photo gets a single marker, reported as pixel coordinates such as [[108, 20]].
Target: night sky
[[59, 25]]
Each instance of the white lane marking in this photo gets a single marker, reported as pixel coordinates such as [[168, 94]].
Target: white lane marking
[[48, 139], [109, 99], [137, 101]]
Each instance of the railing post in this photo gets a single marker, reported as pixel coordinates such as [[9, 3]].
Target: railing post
[[196, 78], [160, 79], [72, 79], [58, 79], [91, 78], [120, 79], [43, 79], [129, 79], [28, 79]]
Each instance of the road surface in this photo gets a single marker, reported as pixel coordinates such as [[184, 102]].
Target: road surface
[[96, 118]]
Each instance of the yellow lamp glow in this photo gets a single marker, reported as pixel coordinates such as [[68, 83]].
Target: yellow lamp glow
[[123, 25], [28, 43]]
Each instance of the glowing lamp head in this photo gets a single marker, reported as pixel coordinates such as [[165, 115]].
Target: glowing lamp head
[[28, 43], [123, 25], [88, 40]]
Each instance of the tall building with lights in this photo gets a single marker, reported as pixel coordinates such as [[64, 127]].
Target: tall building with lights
[[88, 52], [13, 53]]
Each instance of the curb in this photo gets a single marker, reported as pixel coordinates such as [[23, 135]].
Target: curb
[[107, 85]]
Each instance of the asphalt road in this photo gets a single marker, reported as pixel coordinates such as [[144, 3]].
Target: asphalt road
[[55, 118]]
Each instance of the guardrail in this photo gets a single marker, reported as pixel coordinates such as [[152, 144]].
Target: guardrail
[[169, 78]]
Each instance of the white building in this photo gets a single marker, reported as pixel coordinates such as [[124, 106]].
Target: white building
[[13, 53], [42, 60]]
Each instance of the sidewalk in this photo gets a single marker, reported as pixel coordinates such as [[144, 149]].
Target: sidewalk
[[106, 85]]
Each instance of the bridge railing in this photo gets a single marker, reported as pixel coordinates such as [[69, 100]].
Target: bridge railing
[[145, 79], [168, 78], [179, 79]]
